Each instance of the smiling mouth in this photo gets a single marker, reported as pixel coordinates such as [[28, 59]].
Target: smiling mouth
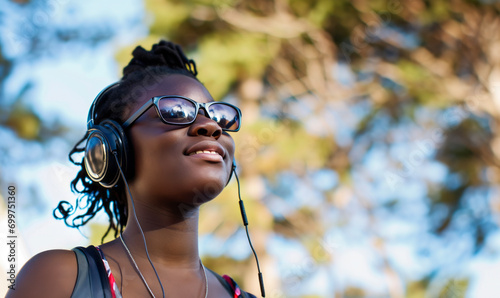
[[204, 151]]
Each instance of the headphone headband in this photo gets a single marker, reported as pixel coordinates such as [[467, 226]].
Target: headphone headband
[[91, 116]]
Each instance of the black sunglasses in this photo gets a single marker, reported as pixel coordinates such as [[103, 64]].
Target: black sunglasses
[[180, 110]]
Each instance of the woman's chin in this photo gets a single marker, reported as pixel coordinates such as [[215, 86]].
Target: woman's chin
[[205, 191]]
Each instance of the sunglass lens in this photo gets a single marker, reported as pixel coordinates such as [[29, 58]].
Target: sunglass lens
[[225, 115], [177, 110]]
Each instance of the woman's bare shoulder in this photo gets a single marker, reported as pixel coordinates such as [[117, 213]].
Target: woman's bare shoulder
[[50, 273]]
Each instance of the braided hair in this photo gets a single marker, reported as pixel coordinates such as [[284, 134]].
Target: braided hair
[[145, 68]]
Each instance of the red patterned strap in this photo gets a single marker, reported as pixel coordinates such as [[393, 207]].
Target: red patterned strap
[[234, 286]]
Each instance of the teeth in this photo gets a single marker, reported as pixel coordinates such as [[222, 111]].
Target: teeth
[[203, 151]]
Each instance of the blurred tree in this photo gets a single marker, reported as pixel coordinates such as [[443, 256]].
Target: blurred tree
[[362, 119], [36, 37], [338, 86]]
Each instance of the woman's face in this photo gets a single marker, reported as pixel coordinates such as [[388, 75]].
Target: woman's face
[[168, 169]]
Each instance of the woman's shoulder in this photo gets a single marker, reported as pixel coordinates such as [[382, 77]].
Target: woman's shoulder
[[50, 273]]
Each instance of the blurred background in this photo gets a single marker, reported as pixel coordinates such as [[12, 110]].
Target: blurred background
[[369, 155]]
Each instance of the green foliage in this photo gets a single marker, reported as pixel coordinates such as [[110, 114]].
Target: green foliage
[[421, 84], [416, 289], [96, 232], [24, 122], [412, 61], [454, 288], [407, 58], [168, 15], [272, 147], [229, 57], [317, 12]]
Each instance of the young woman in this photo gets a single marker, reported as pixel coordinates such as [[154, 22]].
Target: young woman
[[159, 128]]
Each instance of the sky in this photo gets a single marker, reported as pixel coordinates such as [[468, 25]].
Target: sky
[[65, 86]]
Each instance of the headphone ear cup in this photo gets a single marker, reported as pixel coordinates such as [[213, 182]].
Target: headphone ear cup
[[103, 142]]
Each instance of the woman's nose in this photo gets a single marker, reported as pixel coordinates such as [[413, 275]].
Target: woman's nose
[[204, 126]]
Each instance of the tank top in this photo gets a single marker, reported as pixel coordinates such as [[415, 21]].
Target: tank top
[[91, 262]]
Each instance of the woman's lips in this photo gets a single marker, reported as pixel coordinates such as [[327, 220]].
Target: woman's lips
[[207, 155], [207, 150]]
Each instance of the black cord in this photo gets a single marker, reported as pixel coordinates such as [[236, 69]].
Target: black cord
[[243, 215], [245, 223], [138, 224]]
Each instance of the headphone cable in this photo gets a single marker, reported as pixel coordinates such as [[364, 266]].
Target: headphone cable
[[243, 216], [245, 223], [138, 224]]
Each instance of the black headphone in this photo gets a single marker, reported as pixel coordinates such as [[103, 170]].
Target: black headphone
[[103, 141]]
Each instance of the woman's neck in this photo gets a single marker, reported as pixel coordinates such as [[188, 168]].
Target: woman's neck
[[171, 234]]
